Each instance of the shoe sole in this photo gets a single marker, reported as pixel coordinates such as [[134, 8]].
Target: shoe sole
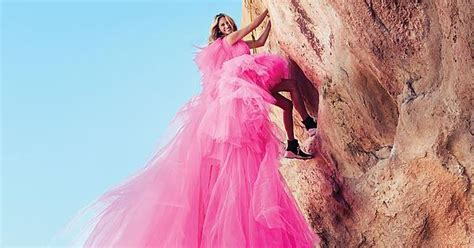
[[312, 133], [300, 158], [297, 157]]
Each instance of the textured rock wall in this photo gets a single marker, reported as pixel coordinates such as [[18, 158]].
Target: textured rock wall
[[391, 84]]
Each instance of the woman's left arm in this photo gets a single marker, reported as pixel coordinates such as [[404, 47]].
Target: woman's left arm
[[262, 39]]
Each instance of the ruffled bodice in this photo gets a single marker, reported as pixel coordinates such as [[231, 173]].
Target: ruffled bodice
[[232, 66], [211, 58]]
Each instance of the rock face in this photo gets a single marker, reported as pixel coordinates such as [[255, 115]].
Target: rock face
[[392, 85]]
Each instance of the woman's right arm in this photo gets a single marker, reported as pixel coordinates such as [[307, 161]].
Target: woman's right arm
[[241, 33]]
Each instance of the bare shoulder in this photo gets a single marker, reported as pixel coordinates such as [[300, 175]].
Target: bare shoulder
[[236, 36], [226, 41]]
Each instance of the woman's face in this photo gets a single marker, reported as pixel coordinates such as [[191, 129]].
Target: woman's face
[[224, 26]]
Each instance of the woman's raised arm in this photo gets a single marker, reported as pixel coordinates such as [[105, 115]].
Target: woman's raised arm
[[241, 33], [262, 39]]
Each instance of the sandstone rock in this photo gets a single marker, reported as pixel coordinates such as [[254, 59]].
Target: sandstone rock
[[391, 84]]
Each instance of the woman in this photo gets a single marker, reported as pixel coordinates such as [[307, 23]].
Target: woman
[[216, 182], [225, 28]]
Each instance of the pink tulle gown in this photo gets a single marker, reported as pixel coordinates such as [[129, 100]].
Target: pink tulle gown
[[215, 183]]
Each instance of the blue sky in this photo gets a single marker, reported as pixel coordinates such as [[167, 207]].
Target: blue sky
[[87, 89]]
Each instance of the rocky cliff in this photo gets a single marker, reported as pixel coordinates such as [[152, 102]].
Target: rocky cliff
[[391, 83]]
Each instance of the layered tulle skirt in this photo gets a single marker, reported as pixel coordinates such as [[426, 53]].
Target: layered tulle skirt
[[215, 182], [264, 70]]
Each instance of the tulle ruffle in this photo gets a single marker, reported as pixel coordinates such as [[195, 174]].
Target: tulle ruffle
[[264, 70]]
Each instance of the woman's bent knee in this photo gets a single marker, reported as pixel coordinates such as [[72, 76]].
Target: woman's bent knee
[[284, 85], [287, 105]]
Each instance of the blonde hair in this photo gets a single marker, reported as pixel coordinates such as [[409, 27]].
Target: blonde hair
[[215, 32]]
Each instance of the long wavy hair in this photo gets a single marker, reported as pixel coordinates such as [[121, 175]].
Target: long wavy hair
[[215, 32]]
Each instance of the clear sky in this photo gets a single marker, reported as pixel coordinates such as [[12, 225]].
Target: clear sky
[[87, 89]]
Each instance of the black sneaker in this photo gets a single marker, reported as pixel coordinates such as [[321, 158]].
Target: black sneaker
[[310, 125], [294, 151]]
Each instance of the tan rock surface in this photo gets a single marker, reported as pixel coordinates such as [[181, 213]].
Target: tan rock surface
[[392, 85]]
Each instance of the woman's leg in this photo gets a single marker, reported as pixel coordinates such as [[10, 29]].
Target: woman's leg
[[287, 107], [289, 85], [293, 150]]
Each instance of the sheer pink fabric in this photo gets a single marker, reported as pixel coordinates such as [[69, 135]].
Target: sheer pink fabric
[[215, 183]]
